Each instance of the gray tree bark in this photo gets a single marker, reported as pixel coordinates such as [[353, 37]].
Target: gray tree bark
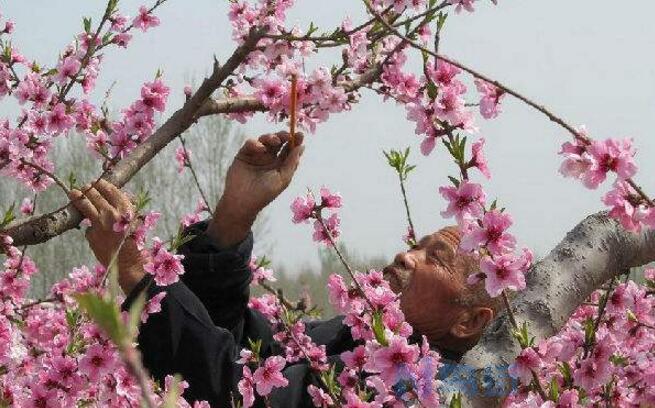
[[595, 251]]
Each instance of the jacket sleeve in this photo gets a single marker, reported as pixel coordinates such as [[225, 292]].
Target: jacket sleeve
[[182, 339], [220, 278]]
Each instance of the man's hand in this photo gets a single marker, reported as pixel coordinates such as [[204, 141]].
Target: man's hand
[[103, 203], [261, 170]]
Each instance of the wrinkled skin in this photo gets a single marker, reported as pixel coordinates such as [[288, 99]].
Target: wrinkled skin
[[431, 281]]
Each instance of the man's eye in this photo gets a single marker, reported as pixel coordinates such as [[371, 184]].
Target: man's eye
[[435, 258]]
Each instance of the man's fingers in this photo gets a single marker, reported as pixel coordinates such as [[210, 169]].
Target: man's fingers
[[286, 137], [113, 195], [252, 147], [272, 142], [83, 205], [291, 162], [98, 201]]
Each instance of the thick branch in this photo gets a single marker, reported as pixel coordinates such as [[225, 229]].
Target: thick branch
[[34, 230], [595, 251], [41, 228], [251, 104]]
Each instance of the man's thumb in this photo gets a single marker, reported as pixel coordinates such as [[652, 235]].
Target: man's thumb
[[291, 162]]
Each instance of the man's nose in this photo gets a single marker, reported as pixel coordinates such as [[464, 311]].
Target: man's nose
[[406, 260]]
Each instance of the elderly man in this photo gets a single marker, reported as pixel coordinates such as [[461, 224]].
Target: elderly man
[[205, 319]]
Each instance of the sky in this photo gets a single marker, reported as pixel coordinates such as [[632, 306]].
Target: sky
[[590, 61]]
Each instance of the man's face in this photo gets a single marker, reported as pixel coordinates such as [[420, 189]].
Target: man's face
[[430, 280]]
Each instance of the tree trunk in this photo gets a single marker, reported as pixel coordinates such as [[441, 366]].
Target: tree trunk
[[596, 250]]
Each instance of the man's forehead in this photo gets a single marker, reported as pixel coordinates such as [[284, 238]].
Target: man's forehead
[[448, 235]]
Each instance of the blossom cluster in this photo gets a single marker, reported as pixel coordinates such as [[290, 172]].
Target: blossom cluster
[[196, 215], [606, 360], [260, 271], [305, 208], [590, 161], [51, 354], [396, 371], [49, 110], [441, 106], [485, 230], [271, 67]]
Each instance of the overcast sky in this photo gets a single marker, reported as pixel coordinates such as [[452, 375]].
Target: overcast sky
[[591, 61]]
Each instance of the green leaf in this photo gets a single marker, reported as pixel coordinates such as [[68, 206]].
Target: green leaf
[[179, 240], [105, 313], [631, 316], [454, 181], [619, 360], [255, 345], [72, 180], [554, 390], [72, 317], [142, 200], [87, 24], [448, 146], [523, 336], [589, 333], [111, 6], [433, 90], [50, 72], [461, 149], [378, 329], [263, 262], [441, 20], [456, 401], [107, 38], [565, 369], [135, 314], [8, 216], [170, 401]]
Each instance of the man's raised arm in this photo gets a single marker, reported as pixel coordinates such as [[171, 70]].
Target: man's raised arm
[[216, 261], [261, 171]]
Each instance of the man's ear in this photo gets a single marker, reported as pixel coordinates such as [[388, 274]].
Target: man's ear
[[471, 322]]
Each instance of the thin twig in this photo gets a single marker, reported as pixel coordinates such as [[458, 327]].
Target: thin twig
[[188, 163], [554, 118], [601, 310], [335, 398], [272, 291], [38, 302], [131, 359], [537, 383], [41, 170], [510, 313], [343, 261], [406, 202]]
